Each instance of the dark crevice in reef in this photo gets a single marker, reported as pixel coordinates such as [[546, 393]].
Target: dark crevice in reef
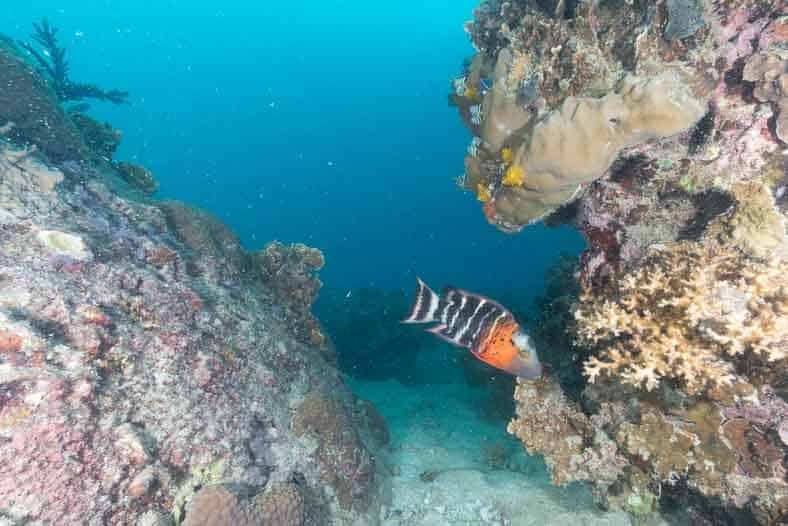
[[708, 206]]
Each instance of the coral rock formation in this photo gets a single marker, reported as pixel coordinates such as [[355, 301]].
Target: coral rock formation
[[291, 273], [29, 110], [540, 71], [578, 142], [676, 373], [141, 361], [282, 505], [138, 177], [344, 462]]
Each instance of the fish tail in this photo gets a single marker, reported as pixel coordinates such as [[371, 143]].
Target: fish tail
[[425, 306]]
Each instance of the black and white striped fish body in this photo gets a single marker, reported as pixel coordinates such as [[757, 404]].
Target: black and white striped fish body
[[460, 315], [479, 324]]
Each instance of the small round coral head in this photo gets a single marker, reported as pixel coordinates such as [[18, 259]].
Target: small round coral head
[[514, 176]]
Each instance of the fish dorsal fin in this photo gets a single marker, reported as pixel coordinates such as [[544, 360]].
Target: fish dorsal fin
[[462, 292]]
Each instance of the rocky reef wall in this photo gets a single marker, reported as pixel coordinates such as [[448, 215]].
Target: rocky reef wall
[[152, 371]]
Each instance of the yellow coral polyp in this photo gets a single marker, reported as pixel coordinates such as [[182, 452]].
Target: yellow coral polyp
[[514, 176], [507, 155], [472, 94], [483, 193]]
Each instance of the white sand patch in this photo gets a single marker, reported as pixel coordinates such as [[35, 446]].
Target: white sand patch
[[454, 467]]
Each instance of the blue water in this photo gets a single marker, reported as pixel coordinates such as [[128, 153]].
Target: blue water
[[320, 122]]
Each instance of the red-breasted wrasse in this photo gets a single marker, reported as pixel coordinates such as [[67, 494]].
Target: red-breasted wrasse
[[479, 324]]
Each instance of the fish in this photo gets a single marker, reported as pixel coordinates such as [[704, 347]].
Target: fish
[[483, 326]]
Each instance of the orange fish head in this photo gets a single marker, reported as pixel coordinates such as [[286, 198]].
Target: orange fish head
[[510, 349]]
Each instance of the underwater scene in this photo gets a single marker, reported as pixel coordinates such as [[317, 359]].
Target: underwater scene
[[348, 263]]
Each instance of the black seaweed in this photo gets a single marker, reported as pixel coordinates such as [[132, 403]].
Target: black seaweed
[[52, 60]]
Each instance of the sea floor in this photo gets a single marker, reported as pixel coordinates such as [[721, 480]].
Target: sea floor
[[453, 466]]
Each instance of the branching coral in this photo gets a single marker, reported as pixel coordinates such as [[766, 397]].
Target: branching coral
[[687, 313], [53, 62]]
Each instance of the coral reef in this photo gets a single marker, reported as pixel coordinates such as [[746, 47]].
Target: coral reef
[[544, 413], [768, 71], [560, 87], [688, 313], [52, 61], [138, 177], [344, 462], [141, 361], [578, 142], [291, 273], [215, 249], [101, 138], [30, 113], [671, 365], [282, 505]]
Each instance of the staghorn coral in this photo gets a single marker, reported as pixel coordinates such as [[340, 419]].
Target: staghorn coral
[[633, 445], [687, 313]]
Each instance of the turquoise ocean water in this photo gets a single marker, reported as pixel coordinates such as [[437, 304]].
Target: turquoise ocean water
[[319, 122]]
